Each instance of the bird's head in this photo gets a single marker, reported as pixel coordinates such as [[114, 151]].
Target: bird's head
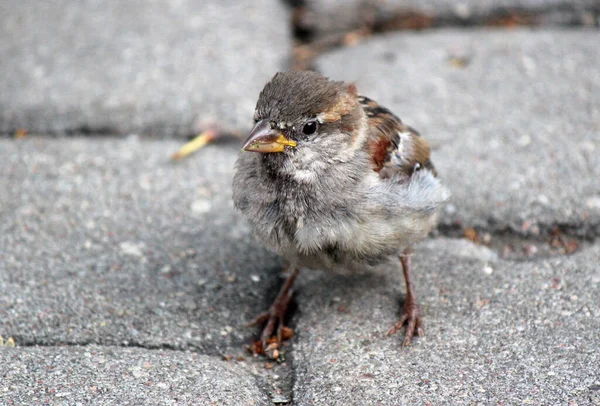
[[308, 118]]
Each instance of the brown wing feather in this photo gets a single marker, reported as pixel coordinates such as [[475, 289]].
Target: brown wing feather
[[394, 146]]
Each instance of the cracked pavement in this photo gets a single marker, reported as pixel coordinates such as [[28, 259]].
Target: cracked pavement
[[126, 278]]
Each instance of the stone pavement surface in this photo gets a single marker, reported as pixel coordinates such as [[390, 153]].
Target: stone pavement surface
[[326, 17], [107, 241], [123, 376], [521, 333], [160, 68], [127, 278]]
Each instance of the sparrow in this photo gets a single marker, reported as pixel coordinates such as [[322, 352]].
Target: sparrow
[[331, 180]]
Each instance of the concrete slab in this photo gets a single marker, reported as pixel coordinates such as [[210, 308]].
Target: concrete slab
[[125, 376], [146, 67], [106, 241], [496, 332], [514, 118]]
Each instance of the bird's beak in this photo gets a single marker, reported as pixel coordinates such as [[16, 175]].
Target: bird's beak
[[265, 139]]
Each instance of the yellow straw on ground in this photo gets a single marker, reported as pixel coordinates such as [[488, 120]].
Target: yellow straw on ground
[[194, 145], [8, 343]]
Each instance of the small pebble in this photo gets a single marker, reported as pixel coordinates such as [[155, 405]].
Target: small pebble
[[131, 248], [201, 206]]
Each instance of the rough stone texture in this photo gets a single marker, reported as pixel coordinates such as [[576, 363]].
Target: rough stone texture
[[329, 16], [108, 242], [150, 67], [496, 331], [514, 118], [124, 376], [105, 241]]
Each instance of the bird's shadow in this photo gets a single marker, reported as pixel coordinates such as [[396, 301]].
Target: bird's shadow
[[326, 289]]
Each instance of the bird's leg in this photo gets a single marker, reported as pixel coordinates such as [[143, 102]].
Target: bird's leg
[[411, 316], [277, 311]]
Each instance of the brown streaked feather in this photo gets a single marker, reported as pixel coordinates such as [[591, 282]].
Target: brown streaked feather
[[394, 146], [345, 104]]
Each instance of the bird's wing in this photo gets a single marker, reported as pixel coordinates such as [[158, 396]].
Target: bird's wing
[[395, 147]]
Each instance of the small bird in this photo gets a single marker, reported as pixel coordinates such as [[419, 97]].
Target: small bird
[[331, 180]]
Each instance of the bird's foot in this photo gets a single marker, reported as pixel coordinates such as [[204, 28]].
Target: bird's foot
[[269, 344], [412, 319]]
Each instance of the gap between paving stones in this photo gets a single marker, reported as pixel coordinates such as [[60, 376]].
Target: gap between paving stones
[[555, 240], [309, 44], [412, 19], [280, 392], [189, 347], [149, 347], [48, 344]]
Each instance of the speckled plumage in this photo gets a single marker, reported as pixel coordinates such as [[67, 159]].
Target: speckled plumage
[[359, 190]]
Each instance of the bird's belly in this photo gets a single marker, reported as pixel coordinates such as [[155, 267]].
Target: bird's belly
[[346, 245]]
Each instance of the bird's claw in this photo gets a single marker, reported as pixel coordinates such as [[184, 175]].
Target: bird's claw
[[412, 319]]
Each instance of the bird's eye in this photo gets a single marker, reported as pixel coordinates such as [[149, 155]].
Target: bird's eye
[[310, 127]]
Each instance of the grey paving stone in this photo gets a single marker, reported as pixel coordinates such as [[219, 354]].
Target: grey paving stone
[[149, 67], [106, 241], [514, 118], [329, 16], [122, 376], [496, 331]]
